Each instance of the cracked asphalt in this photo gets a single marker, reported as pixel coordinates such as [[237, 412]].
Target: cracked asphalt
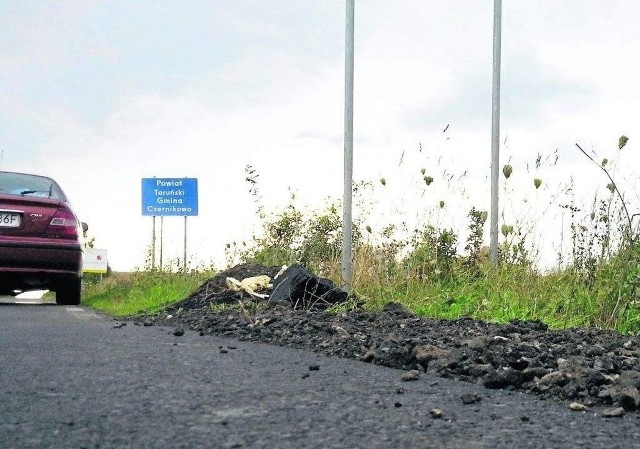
[[72, 378]]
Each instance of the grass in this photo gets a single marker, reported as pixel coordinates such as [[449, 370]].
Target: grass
[[509, 293], [128, 294], [502, 295]]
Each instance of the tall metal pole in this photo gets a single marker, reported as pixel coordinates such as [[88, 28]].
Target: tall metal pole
[[185, 244], [495, 129], [347, 262], [161, 240], [153, 244]]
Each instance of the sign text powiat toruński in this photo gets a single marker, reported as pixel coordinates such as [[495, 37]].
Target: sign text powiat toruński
[[166, 197]]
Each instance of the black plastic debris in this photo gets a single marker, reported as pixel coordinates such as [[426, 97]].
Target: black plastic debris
[[305, 290]]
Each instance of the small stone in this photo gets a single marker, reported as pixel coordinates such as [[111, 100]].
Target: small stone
[[178, 332], [414, 374], [563, 364], [223, 350], [617, 412], [577, 407], [119, 325], [470, 399], [629, 398], [147, 323], [436, 413], [595, 351], [305, 375], [533, 372], [369, 356], [480, 369], [559, 378], [314, 367], [397, 404], [479, 342], [426, 353], [525, 419], [502, 378]]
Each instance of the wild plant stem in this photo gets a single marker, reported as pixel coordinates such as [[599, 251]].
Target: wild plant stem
[[615, 187]]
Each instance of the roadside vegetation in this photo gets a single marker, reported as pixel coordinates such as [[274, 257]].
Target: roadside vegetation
[[127, 294], [436, 263]]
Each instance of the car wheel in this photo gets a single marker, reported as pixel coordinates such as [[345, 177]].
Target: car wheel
[[69, 292]]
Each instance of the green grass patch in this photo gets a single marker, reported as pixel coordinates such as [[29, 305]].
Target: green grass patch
[[128, 294], [509, 293]]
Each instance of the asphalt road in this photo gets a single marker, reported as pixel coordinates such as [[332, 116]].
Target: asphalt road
[[70, 379]]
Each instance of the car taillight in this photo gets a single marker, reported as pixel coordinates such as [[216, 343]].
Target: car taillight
[[63, 225]]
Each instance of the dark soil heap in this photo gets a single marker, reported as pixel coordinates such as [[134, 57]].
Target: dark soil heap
[[589, 366]]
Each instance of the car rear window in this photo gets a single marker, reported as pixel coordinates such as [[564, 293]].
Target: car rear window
[[21, 184]]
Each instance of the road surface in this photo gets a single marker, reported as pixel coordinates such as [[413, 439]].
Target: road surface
[[71, 378]]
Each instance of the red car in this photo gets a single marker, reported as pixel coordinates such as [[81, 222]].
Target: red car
[[40, 238]]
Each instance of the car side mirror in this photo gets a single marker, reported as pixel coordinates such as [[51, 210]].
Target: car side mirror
[[85, 227]]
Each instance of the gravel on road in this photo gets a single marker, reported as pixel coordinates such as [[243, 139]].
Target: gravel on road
[[586, 367]]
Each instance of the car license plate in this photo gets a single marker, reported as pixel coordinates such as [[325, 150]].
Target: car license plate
[[10, 220]]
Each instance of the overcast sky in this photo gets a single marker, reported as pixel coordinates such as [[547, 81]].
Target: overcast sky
[[99, 94]]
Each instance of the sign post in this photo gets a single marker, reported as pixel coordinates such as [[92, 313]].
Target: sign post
[[170, 197], [347, 260], [153, 245], [495, 131]]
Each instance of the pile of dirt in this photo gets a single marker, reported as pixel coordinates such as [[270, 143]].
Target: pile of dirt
[[592, 367], [294, 286]]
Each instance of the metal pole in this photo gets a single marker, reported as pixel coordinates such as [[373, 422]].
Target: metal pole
[[348, 148], [161, 239], [185, 244], [495, 130], [153, 243]]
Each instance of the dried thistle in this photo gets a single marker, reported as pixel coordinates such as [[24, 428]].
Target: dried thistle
[[622, 141], [506, 229]]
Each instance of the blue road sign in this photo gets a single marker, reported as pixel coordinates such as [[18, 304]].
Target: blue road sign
[[170, 197]]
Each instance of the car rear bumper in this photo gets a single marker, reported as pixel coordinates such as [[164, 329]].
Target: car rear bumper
[[46, 257]]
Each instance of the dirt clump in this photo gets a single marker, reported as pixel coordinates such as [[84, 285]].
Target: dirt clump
[[588, 366]]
